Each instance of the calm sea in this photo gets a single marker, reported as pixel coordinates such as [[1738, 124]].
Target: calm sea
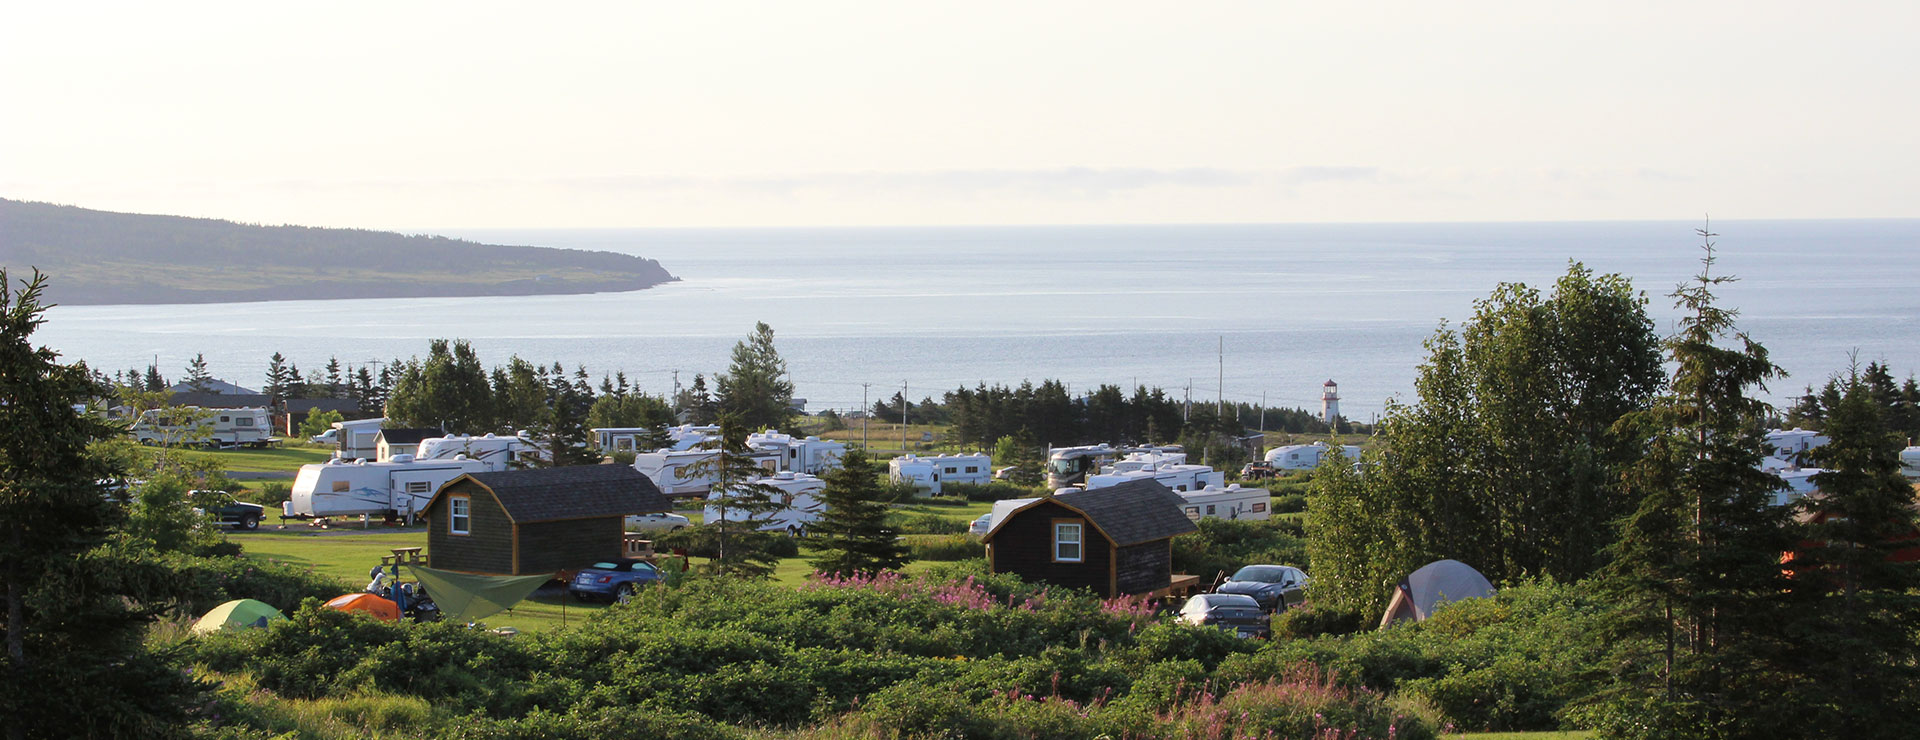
[[935, 308]]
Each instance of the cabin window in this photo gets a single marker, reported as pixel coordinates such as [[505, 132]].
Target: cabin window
[[417, 486], [1066, 542], [951, 471], [225, 419], [459, 515], [1258, 506], [1209, 509], [244, 421], [339, 486], [973, 468]]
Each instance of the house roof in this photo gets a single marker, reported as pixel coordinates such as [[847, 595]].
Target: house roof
[[217, 400], [1127, 514], [409, 435], [215, 386], [576, 492]]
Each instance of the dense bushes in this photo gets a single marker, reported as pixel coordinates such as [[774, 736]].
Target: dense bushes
[[945, 547], [1224, 545], [992, 491], [704, 542], [908, 523]]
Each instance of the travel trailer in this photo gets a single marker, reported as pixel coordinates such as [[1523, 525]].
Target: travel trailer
[[1231, 502], [214, 428], [1793, 445], [677, 472], [931, 473], [1306, 457], [810, 455], [358, 439], [799, 493], [1177, 477], [1799, 484], [401, 486], [1070, 466], [496, 452], [1147, 459], [1910, 462]]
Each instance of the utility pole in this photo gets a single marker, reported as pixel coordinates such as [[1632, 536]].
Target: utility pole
[[675, 400], [903, 416], [1221, 390], [1186, 404], [866, 410], [1263, 413]]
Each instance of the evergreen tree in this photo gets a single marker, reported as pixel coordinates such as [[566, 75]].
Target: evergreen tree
[[852, 535], [1028, 461], [75, 663], [564, 428], [363, 390], [448, 390], [1857, 606], [154, 381], [198, 379], [336, 379], [741, 501], [755, 389], [1696, 576], [278, 383], [696, 404]]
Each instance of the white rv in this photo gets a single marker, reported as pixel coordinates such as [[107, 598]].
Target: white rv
[[1069, 466], [1794, 444], [810, 455], [496, 452], [359, 439], [799, 494], [207, 427], [1306, 457], [1177, 477], [676, 472], [1147, 459], [1231, 502], [1799, 484], [342, 487], [1910, 462], [931, 473]]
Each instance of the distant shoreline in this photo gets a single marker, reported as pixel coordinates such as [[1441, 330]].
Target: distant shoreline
[[517, 288]]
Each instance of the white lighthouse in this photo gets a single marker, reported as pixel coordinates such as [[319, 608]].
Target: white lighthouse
[[1330, 402]]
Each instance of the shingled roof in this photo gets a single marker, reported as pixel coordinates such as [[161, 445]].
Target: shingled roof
[[576, 492], [409, 435], [1128, 514]]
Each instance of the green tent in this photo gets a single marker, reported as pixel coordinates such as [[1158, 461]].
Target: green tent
[[464, 597], [237, 614]]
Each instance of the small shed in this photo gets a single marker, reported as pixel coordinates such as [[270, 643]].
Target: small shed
[[1115, 540], [527, 522], [403, 441]]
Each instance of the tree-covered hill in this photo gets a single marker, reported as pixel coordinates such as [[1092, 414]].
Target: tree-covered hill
[[103, 257]]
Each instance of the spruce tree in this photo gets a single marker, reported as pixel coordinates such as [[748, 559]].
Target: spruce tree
[[278, 384], [154, 381], [1857, 606], [1696, 573], [755, 388], [852, 536], [198, 379], [741, 501]]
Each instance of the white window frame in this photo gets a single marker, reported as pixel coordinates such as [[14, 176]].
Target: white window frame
[[459, 515], [1079, 541]]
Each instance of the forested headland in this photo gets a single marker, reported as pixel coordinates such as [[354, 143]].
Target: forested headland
[[99, 257]]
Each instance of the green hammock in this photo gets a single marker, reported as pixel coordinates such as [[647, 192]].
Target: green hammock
[[465, 597]]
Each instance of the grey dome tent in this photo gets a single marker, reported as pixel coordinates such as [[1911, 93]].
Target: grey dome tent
[[1435, 583]]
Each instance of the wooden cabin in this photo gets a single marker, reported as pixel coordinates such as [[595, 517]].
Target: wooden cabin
[[1115, 540], [405, 441], [526, 522]]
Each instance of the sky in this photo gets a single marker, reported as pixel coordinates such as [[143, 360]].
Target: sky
[[421, 115]]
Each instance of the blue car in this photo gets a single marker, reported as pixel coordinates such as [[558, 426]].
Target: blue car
[[613, 580]]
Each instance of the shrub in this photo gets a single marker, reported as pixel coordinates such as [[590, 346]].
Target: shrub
[[945, 547], [272, 495], [1313, 621], [998, 490], [1224, 546], [704, 542], [1307, 703], [906, 523], [1289, 503]]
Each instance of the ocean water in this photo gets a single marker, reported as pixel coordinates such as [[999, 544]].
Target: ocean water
[[936, 308]]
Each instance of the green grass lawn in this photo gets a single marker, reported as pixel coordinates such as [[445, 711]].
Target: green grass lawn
[[286, 459]]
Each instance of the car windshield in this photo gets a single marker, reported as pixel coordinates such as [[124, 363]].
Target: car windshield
[[1267, 574], [609, 566]]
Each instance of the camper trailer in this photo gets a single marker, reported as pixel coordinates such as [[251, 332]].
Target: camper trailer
[[1306, 457], [209, 427], [1177, 477], [930, 473], [1070, 466], [810, 455], [401, 486], [678, 473], [1147, 459], [1799, 483], [1793, 445], [496, 452], [799, 493], [1910, 462], [1231, 502], [358, 439]]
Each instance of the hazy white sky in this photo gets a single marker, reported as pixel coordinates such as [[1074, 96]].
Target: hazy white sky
[[417, 115]]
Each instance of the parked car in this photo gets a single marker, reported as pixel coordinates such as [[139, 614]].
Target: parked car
[[1274, 587], [230, 513], [1257, 470], [331, 436], [613, 580], [1232, 612], [658, 522], [982, 525]]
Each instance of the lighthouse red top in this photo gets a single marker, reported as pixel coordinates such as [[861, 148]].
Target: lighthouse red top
[[1331, 383]]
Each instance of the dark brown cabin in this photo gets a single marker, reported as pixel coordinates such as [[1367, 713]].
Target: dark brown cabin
[[1115, 540], [526, 522]]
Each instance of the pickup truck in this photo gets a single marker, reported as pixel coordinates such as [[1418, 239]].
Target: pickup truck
[[236, 514]]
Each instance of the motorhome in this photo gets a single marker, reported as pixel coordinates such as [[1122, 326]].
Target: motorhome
[[799, 496], [401, 486], [1177, 477], [192, 425], [1307, 457], [931, 473], [1070, 466], [1146, 459], [680, 473], [358, 439], [810, 455], [496, 452], [1230, 502], [1793, 445]]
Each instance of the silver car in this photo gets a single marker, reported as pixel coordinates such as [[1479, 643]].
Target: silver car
[[657, 522]]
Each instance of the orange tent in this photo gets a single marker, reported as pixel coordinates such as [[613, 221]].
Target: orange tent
[[379, 608]]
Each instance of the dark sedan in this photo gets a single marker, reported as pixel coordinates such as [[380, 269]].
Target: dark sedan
[[1232, 612], [614, 580], [1275, 587]]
